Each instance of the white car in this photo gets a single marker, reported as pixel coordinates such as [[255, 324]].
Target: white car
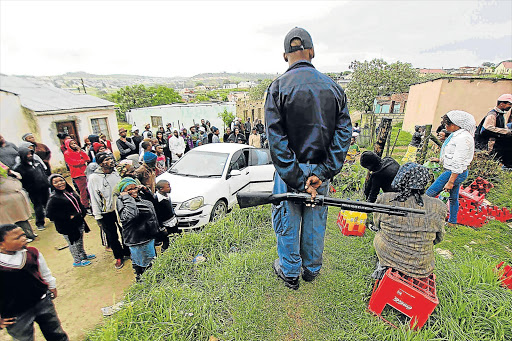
[[205, 181]]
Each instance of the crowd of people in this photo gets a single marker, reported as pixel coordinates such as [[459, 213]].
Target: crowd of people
[[95, 175]]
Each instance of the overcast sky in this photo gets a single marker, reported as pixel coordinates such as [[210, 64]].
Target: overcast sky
[[170, 38]]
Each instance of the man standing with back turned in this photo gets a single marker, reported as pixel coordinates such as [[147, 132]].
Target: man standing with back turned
[[309, 133]]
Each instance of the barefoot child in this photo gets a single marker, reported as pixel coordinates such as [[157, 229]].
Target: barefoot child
[[27, 289]]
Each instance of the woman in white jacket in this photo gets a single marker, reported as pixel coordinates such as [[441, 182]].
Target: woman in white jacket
[[456, 154], [176, 146]]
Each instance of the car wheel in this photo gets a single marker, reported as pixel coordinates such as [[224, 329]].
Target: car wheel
[[219, 210]]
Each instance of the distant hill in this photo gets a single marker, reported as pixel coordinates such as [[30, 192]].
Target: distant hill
[[234, 77], [112, 82]]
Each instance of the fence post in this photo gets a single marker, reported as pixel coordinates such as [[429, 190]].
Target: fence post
[[378, 148], [423, 151], [384, 131]]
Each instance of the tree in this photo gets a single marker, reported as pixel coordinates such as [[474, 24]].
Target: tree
[[377, 78], [138, 96], [257, 92], [227, 117], [161, 95], [201, 98], [488, 64]]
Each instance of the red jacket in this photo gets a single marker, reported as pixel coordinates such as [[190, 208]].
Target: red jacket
[[107, 144], [76, 160]]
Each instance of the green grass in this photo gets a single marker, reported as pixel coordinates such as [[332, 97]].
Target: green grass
[[404, 138], [234, 294]]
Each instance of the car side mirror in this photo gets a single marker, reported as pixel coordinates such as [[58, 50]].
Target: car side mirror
[[235, 172]]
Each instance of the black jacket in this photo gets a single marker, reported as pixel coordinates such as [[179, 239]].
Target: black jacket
[[34, 178], [60, 209], [381, 179], [307, 120], [236, 138], [139, 220]]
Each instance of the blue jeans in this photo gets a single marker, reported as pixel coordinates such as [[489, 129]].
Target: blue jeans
[[299, 229], [438, 185]]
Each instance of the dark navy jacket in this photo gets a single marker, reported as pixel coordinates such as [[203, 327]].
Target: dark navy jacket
[[307, 120]]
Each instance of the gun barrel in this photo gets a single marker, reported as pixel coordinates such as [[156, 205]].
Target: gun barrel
[[250, 199]]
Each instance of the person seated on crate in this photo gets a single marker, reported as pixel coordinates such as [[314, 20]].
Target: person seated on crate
[[382, 173], [456, 155], [407, 243]]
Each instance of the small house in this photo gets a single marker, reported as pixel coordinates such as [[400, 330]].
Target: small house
[[27, 106]]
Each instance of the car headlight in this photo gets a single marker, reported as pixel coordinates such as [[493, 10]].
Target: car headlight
[[192, 204]]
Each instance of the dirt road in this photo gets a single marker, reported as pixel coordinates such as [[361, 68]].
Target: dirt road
[[82, 292]]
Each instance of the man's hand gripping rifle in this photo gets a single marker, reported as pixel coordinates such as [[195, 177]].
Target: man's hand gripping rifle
[[250, 199]]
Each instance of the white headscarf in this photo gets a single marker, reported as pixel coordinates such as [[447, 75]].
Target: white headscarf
[[462, 119]]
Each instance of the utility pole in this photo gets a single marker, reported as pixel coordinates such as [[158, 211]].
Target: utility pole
[[83, 84]]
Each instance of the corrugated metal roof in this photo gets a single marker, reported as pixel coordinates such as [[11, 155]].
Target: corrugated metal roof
[[42, 98]]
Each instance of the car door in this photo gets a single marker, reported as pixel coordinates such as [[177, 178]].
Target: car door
[[239, 162], [261, 170]]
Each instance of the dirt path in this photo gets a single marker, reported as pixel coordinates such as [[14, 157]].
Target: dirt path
[[82, 292]]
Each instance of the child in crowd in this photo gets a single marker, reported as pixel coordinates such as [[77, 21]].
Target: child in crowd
[[160, 167], [28, 288], [140, 224], [145, 146], [165, 212]]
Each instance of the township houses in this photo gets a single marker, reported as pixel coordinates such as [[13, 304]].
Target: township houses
[[505, 68], [46, 110], [427, 102]]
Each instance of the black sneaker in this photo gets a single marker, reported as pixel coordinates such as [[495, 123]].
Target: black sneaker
[[307, 275], [290, 282]]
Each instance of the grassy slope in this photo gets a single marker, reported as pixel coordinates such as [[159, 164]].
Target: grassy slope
[[235, 296]]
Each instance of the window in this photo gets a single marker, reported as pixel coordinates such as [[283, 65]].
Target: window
[[156, 121], [100, 125], [259, 157], [238, 161], [396, 108]]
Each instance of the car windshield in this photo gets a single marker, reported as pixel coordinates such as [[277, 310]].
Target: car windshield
[[200, 164]]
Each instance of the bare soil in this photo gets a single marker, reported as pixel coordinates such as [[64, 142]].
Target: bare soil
[[82, 292]]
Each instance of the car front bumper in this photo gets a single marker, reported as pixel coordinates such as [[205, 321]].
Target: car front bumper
[[193, 219]]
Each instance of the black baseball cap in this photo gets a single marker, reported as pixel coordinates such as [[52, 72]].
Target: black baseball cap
[[300, 33]]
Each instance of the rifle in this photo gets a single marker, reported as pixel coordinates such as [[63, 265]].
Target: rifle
[[250, 199]]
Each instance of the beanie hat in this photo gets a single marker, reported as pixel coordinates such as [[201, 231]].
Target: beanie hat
[[96, 146], [25, 136], [370, 160], [100, 157], [125, 182], [149, 157]]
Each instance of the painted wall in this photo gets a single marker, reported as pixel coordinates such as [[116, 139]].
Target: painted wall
[[429, 101], [13, 123], [48, 129], [184, 113]]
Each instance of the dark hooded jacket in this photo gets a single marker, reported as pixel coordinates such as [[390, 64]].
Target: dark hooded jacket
[[34, 178], [138, 218], [61, 206], [382, 178]]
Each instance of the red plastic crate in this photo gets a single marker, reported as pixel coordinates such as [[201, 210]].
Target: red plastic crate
[[505, 275], [414, 297]]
